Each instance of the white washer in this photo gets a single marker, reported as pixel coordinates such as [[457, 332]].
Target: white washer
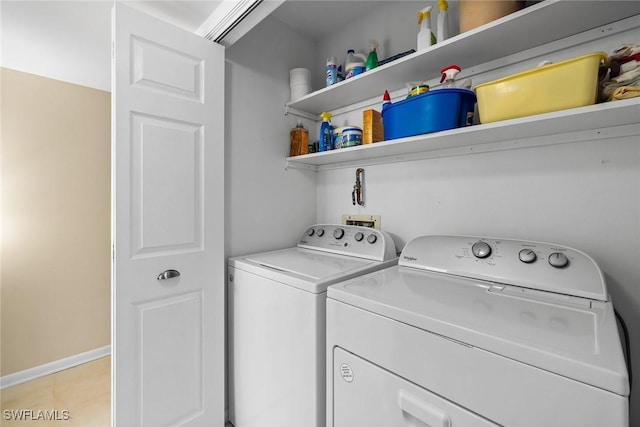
[[276, 306], [476, 332]]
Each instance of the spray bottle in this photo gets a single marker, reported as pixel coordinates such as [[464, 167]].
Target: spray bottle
[[448, 78], [443, 21], [326, 133], [332, 71], [425, 37], [372, 59]]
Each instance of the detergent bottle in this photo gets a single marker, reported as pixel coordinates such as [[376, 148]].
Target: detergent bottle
[[426, 38], [326, 133], [443, 21], [372, 59], [354, 64]]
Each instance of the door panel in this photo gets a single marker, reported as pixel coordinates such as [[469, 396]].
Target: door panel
[[166, 158], [168, 210], [183, 78], [181, 371]]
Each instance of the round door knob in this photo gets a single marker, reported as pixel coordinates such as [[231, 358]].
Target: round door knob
[[558, 260], [320, 232], [310, 232], [358, 236], [338, 233], [527, 255], [372, 238], [481, 249]]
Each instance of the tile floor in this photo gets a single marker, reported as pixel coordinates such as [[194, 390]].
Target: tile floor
[[80, 396]]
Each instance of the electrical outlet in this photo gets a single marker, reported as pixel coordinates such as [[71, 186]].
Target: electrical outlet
[[372, 221]]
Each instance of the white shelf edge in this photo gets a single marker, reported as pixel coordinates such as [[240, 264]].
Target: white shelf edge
[[586, 123]]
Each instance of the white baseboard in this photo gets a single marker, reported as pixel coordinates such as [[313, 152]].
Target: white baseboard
[[52, 367]]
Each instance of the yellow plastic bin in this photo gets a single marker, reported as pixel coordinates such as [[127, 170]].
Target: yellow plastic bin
[[553, 87]]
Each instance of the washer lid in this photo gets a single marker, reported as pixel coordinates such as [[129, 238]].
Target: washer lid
[[568, 335], [307, 269], [313, 265]]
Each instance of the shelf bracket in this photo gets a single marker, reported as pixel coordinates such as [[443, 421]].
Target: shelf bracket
[[290, 110], [301, 166]]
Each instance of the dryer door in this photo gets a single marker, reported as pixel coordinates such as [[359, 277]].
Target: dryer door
[[365, 394]]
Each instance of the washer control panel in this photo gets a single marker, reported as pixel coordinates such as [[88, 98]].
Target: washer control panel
[[534, 265], [362, 242]]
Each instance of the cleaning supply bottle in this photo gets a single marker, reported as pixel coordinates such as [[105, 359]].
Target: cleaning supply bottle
[[448, 78], [372, 59], [354, 64], [426, 38], [326, 133], [386, 99], [443, 21], [339, 75], [332, 71], [299, 140]]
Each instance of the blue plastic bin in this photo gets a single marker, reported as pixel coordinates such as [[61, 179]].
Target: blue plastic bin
[[437, 110]]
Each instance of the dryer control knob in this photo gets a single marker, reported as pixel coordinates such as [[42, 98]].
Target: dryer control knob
[[320, 232], [558, 260], [527, 255], [338, 233], [372, 238], [481, 249], [310, 232], [358, 236]]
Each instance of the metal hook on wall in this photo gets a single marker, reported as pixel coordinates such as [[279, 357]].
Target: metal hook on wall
[[357, 196]]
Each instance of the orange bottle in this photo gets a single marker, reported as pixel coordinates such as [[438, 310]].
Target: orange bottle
[[299, 139]]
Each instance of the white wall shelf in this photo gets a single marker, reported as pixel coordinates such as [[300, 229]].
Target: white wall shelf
[[600, 121], [536, 25]]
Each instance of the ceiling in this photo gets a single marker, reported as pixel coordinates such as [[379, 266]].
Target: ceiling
[[187, 14], [317, 18], [314, 18]]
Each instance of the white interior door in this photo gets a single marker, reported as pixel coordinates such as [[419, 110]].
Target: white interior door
[[168, 210]]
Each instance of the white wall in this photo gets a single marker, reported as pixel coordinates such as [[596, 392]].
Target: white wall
[[63, 40], [268, 206]]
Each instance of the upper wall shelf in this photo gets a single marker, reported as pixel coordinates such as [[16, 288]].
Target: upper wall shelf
[[536, 25], [611, 119]]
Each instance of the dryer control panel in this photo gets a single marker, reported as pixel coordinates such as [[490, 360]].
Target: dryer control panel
[[532, 265], [353, 240]]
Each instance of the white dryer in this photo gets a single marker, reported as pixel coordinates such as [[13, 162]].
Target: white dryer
[[476, 332], [276, 322]]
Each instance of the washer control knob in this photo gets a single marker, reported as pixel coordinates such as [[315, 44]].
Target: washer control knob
[[358, 236], [558, 260], [372, 238], [481, 249], [527, 255], [338, 233], [310, 232], [320, 232]]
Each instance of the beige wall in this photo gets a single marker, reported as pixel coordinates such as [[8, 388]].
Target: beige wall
[[55, 267]]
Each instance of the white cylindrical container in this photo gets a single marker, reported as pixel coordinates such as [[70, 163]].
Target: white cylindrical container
[[351, 136], [299, 82]]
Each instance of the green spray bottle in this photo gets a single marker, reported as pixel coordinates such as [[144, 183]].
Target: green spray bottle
[[372, 59]]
